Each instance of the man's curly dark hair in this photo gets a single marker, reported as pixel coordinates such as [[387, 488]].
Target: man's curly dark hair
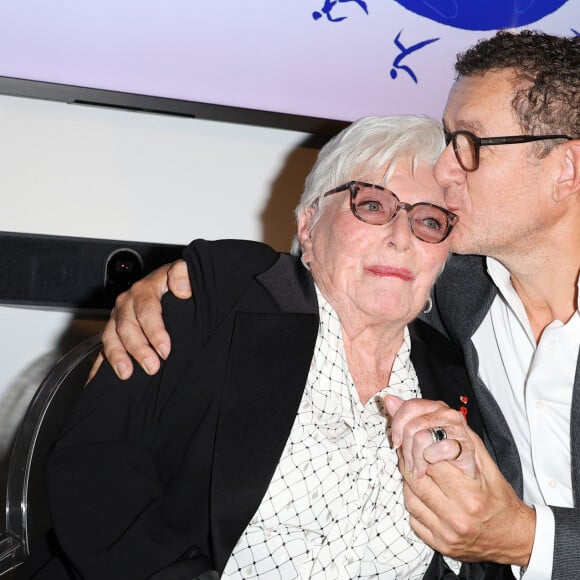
[[546, 77]]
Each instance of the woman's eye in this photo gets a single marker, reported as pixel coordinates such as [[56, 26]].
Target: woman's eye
[[432, 223], [370, 205]]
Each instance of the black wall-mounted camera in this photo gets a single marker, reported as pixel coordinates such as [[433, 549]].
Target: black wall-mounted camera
[[74, 273], [122, 268]]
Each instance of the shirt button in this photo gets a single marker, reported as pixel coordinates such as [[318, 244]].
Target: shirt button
[[552, 483], [539, 405]]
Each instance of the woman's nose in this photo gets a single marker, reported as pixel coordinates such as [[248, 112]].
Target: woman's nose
[[398, 231]]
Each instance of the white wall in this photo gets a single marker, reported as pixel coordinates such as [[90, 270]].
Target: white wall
[[103, 173]]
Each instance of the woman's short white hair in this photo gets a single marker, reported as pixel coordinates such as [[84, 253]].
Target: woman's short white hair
[[365, 147]]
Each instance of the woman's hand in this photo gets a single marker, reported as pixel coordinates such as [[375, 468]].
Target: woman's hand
[[136, 325], [412, 432]]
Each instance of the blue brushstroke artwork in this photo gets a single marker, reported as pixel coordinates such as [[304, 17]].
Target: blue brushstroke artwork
[[483, 14]]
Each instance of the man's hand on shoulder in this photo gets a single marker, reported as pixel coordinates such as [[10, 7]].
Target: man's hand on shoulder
[[136, 325]]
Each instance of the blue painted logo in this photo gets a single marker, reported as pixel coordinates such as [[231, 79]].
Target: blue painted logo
[[406, 51], [483, 14]]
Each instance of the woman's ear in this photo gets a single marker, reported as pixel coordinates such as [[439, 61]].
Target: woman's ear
[[305, 224]]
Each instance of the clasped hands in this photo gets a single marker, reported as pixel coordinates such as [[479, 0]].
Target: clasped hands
[[459, 502]]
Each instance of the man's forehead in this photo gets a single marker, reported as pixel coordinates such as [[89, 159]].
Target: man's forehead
[[471, 105]]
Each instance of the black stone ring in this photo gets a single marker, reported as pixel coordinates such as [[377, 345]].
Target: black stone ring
[[438, 434]]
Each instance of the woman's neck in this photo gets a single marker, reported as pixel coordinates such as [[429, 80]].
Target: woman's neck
[[370, 355]]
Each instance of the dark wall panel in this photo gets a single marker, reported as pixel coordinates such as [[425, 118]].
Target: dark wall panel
[[73, 273]]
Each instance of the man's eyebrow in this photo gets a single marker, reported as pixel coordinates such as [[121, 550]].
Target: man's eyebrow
[[472, 126]]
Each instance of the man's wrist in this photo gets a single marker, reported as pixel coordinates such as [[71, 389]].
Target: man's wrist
[[539, 565]]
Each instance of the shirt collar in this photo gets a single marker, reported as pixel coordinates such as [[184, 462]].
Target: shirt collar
[[502, 279]]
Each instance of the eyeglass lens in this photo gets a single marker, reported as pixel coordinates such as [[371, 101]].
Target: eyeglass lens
[[466, 151], [375, 206]]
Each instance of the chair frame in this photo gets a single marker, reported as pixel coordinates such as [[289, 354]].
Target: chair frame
[[41, 424]]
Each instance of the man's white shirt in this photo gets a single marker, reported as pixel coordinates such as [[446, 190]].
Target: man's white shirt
[[533, 385]]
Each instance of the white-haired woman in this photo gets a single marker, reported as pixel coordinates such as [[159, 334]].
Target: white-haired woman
[[261, 448]]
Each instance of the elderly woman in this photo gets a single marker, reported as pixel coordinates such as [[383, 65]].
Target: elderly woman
[[261, 449]]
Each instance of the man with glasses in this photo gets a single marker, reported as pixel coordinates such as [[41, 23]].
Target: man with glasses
[[511, 172]]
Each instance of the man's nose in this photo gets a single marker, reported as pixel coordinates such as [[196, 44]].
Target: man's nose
[[447, 169]]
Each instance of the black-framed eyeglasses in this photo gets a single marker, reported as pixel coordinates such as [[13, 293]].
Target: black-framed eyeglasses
[[376, 205], [466, 145]]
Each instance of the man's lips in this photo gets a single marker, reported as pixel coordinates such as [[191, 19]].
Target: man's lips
[[391, 272]]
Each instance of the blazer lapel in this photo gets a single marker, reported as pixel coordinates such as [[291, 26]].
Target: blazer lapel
[[267, 370], [464, 295], [441, 374]]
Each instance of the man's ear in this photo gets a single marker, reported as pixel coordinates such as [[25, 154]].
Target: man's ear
[[305, 224], [568, 181]]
